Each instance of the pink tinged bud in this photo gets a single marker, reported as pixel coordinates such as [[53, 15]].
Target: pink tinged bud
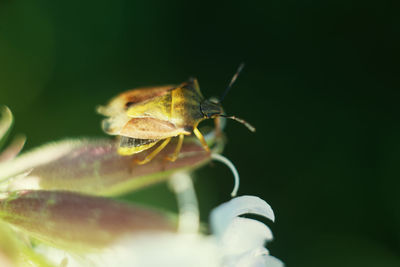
[[95, 167], [72, 220]]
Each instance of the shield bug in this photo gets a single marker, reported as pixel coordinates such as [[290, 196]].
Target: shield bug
[[145, 116]]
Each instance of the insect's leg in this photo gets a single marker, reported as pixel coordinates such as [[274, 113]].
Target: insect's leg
[[217, 122], [201, 138], [174, 156], [154, 153]]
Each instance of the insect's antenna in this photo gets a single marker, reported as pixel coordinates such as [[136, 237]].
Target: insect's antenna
[[241, 66], [248, 125]]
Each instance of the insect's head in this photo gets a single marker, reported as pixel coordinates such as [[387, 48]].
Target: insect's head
[[213, 108]]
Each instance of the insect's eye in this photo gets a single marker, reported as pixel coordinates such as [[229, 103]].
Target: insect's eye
[[214, 100]]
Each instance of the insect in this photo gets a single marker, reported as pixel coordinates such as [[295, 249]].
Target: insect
[[145, 116]]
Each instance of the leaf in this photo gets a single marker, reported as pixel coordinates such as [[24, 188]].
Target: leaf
[[15, 252], [6, 121], [8, 246]]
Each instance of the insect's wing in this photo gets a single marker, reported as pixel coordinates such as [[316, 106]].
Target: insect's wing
[[172, 106], [150, 128], [124, 101], [129, 146]]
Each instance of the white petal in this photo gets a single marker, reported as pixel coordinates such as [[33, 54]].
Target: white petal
[[223, 215], [36, 157], [12, 150], [257, 258], [244, 235], [232, 167], [150, 250], [271, 261]]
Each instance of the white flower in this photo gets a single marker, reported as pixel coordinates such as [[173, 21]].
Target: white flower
[[234, 241], [55, 208], [242, 240]]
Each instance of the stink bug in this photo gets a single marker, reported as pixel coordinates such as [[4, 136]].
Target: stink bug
[[142, 117]]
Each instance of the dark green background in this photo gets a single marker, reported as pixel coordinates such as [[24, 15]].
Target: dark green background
[[321, 85]]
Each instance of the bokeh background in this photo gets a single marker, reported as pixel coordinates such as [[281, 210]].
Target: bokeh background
[[321, 85]]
